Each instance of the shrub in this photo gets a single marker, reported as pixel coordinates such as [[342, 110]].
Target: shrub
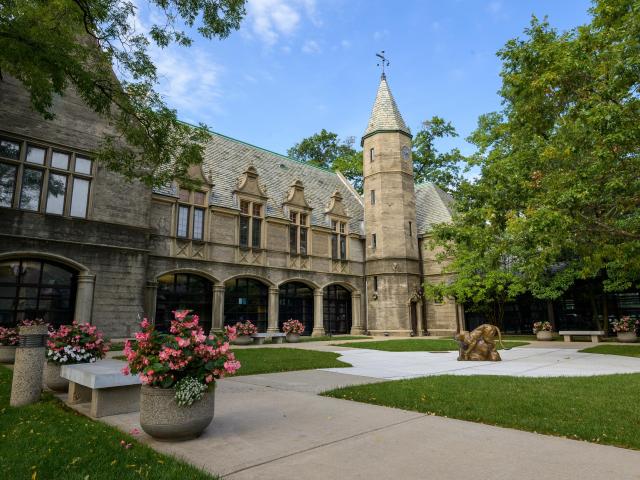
[[542, 327], [293, 326], [246, 328], [625, 324], [76, 343]]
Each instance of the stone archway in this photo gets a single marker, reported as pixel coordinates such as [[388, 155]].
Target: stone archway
[[183, 291], [296, 302]]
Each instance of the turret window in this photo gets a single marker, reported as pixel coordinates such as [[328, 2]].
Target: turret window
[[374, 241], [190, 215], [371, 154], [373, 197], [298, 233], [250, 224], [339, 240], [410, 229]]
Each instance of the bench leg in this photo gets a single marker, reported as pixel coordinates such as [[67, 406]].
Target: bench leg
[[595, 338], [277, 340], [567, 338], [116, 400], [258, 340], [78, 394]]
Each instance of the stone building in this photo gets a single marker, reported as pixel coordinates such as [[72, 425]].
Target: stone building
[[266, 238]]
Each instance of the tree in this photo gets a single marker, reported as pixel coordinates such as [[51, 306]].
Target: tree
[[52, 46], [326, 150], [559, 164]]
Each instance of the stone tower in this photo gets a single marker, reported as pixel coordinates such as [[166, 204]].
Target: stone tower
[[392, 257]]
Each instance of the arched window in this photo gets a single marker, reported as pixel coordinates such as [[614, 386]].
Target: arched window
[[296, 301], [337, 309], [32, 288], [183, 291], [246, 299]]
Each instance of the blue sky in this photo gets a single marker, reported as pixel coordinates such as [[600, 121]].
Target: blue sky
[[297, 66]]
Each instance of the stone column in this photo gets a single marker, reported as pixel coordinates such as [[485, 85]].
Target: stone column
[[357, 327], [218, 308], [274, 304], [84, 298], [419, 331], [150, 295], [318, 313], [29, 365]]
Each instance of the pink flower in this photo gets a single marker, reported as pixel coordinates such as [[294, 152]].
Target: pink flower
[[145, 324], [134, 431], [125, 370]]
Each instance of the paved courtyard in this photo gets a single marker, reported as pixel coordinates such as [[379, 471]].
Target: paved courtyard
[[276, 426]]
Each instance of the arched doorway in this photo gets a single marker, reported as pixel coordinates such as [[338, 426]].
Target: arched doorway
[[32, 288], [246, 299], [296, 301], [183, 291], [337, 309]]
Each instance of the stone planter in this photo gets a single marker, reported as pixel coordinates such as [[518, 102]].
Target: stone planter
[[7, 353], [243, 340], [52, 378], [293, 337], [544, 336], [163, 419], [627, 337]]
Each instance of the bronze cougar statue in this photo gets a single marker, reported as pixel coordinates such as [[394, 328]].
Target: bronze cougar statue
[[479, 345]]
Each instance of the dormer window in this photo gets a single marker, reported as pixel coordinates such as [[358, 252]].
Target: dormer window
[[250, 227], [339, 240], [190, 216], [298, 233]]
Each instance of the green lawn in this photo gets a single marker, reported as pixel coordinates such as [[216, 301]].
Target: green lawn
[[327, 338], [47, 440], [597, 409], [416, 345], [272, 360], [624, 350]]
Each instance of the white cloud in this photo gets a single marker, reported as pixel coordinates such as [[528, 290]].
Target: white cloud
[[272, 19], [380, 34], [311, 46], [345, 43]]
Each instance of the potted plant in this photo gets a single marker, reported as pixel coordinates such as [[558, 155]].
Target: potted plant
[[8, 343], [626, 329], [244, 330], [293, 329], [178, 372], [543, 330], [69, 344]]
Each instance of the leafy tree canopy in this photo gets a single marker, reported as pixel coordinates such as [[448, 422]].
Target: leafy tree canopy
[[559, 194], [325, 149], [54, 45]]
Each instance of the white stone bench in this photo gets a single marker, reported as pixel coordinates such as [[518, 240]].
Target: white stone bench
[[104, 385], [594, 334], [259, 338]]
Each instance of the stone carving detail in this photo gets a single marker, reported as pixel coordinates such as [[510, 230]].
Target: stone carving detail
[[338, 266], [250, 257], [299, 262], [336, 208], [248, 183], [189, 249], [479, 345], [295, 196]]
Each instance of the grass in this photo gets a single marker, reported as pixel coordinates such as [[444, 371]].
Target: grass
[[47, 440], [600, 409], [274, 360], [624, 350], [416, 345]]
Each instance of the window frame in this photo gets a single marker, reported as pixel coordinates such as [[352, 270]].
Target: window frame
[[253, 219], [339, 244], [299, 222], [47, 170], [189, 202]]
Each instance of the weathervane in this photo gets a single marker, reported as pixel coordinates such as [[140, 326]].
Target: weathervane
[[383, 61]]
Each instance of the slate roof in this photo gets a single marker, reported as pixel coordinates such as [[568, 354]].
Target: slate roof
[[226, 159], [385, 114], [433, 205]]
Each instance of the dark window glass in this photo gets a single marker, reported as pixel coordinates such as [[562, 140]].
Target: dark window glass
[[257, 210], [343, 227], [303, 219], [198, 223], [246, 299], [9, 149], [244, 231], [293, 216], [334, 246], [371, 152], [183, 221], [374, 241], [337, 310], [31, 289], [410, 229], [7, 183], [56, 193], [373, 197], [375, 284], [183, 291], [31, 188], [296, 301], [256, 233], [343, 247], [293, 240], [79, 198], [303, 240], [244, 207]]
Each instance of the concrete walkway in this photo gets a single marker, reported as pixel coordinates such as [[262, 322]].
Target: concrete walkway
[[277, 427], [519, 362]]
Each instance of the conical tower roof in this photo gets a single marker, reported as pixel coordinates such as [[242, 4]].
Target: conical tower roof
[[385, 115]]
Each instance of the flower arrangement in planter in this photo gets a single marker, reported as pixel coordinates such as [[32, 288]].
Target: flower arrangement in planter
[[178, 372], [626, 329], [69, 344], [543, 330], [244, 330], [293, 328], [8, 343]]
